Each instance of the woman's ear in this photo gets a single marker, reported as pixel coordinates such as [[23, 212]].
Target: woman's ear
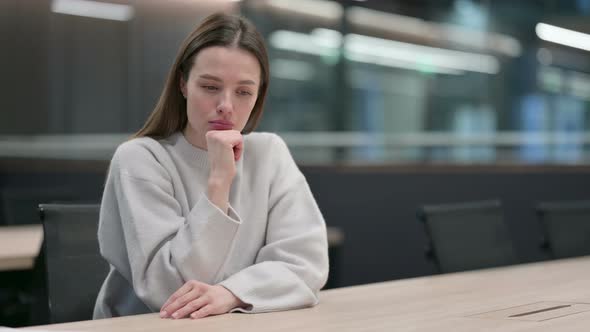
[[182, 84]]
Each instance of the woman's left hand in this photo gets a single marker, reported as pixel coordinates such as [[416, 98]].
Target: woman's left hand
[[199, 300]]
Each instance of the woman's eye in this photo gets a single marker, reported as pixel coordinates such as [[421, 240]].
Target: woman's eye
[[244, 93], [210, 87]]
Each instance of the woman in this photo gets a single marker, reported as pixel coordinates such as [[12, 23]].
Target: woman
[[197, 218]]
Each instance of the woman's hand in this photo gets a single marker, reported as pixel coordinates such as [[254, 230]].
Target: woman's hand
[[199, 300], [224, 148]]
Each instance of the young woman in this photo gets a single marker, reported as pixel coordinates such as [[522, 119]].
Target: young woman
[[200, 216]]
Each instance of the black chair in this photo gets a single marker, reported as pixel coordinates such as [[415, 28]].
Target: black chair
[[335, 242], [467, 236], [566, 227], [19, 205], [75, 269]]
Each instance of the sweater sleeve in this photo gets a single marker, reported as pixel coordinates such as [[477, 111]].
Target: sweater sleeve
[[163, 247], [292, 266]]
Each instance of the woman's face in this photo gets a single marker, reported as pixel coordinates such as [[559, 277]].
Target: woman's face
[[220, 92]]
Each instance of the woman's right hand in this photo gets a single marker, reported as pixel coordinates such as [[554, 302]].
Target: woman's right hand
[[224, 148]]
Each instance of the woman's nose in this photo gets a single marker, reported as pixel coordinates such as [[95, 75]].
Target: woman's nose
[[225, 103]]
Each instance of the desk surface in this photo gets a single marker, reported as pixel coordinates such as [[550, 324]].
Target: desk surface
[[449, 302], [19, 245]]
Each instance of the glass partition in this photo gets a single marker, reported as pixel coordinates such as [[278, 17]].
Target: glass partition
[[352, 82]]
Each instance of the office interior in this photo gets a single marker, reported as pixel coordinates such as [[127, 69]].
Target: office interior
[[387, 106]]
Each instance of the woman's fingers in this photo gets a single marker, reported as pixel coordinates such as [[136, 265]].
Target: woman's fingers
[[199, 300], [180, 292], [191, 307], [182, 302], [238, 151], [170, 307], [204, 311], [222, 139], [224, 148]]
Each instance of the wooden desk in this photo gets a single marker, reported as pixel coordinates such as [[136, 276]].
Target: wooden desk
[[19, 245], [437, 303]]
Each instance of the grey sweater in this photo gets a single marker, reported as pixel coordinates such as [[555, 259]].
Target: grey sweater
[[158, 230]]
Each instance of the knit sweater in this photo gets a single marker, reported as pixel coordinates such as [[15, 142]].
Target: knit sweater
[[158, 229]]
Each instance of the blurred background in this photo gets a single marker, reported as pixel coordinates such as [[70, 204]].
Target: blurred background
[[353, 82], [386, 105]]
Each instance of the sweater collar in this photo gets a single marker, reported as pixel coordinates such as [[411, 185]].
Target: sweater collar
[[199, 156], [195, 154]]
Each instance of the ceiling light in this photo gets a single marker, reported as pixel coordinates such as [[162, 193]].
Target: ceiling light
[[324, 9], [94, 9], [563, 36]]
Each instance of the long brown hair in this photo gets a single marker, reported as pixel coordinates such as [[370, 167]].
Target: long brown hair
[[220, 29]]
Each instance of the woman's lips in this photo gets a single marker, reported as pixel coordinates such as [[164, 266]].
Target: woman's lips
[[221, 125]]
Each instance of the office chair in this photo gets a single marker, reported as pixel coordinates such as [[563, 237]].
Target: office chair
[[566, 227], [75, 269], [335, 242], [19, 205], [467, 236]]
